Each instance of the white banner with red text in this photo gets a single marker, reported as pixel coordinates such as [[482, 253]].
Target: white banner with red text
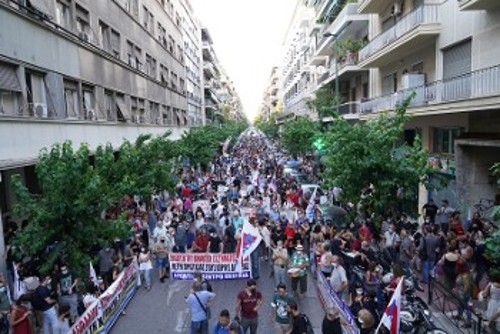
[[213, 267], [101, 315]]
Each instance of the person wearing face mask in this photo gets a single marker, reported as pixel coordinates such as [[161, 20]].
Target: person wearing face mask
[[66, 289], [215, 244], [332, 322], [299, 264], [280, 263], [44, 302], [160, 249], [338, 279], [145, 266]]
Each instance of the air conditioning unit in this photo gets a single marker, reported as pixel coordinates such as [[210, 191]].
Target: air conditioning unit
[[40, 110], [396, 9], [84, 36]]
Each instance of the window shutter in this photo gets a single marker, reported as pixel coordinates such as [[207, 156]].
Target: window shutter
[[8, 78]]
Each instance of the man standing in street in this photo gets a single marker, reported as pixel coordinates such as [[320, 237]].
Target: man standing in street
[[406, 251], [444, 215], [198, 302], [66, 289], [338, 278], [280, 313], [161, 250], [247, 306], [428, 245], [298, 270], [280, 263], [299, 322]]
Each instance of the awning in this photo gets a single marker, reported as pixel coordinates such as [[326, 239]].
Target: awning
[[8, 78]]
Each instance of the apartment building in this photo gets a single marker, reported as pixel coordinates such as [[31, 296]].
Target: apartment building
[[295, 71], [373, 54], [211, 80], [270, 103], [191, 34], [231, 105], [88, 71], [447, 54]]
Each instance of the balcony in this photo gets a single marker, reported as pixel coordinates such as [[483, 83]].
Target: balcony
[[471, 91], [415, 30], [348, 22], [373, 6], [346, 65], [350, 110], [478, 4], [209, 69]]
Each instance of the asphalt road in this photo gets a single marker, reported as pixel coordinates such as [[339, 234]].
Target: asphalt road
[[163, 309]]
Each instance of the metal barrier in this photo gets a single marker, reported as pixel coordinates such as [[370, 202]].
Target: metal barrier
[[447, 302]]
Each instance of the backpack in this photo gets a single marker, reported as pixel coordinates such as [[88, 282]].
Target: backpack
[[309, 327]]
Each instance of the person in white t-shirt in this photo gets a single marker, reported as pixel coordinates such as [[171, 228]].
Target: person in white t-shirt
[[159, 231]]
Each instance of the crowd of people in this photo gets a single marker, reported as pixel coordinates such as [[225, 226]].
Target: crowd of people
[[363, 260]]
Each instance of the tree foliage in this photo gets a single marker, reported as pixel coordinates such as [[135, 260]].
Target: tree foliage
[[324, 102], [493, 242], [299, 135], [269, 128], [369, 154], [67, 218], [200, 143]]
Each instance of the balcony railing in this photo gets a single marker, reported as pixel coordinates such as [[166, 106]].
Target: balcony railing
[[476, 84], [349, 108], [421, 15]]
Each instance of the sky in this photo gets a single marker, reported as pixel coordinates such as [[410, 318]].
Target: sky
[[248, 40]]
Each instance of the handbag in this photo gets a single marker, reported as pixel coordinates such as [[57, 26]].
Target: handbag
[[206, 309]]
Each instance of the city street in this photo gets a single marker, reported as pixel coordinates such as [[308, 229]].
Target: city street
[[163, 309]]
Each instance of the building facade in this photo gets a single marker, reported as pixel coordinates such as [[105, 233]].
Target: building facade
[[373, 54], [211, 80], [191, 30]]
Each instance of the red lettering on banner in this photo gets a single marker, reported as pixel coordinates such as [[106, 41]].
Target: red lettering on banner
[[85, 320]]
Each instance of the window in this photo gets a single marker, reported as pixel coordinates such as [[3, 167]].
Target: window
[[138, 58], [131, 54], [390, 83], [134, 109], [10, 89], [141, 107], [115, 43], [88, 103], [132, 7], [104, 37], [36, 93], [162, 35], [151, 24], [181, 86], [150, 66], [171, 44], [145, 17], [82, 22], [163, 75], [457, 61], [444, 139], [71, 100], [154, 109], [109, 105]]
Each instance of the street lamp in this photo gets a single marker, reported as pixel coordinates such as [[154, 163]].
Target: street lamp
[[337, 90]]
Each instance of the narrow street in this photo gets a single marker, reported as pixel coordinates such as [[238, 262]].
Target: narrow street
[[163, 309]]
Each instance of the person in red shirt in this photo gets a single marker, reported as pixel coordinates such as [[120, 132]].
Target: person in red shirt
[[364, 233], [248, 303], [290, 232], [200, 244]]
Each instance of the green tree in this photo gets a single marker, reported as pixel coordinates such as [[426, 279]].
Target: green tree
[[324, 102], [299, 135], [363, 154], [67, 219], [199, 144], [269, 128], [493, 241]]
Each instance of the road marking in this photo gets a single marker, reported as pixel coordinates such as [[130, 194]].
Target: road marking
[[174, 287], [182, 319]]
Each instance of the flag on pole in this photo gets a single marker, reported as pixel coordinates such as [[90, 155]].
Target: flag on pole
[[391, 316], [92, 274], [249, 241]]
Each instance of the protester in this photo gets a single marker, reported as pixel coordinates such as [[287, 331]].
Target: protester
[[332, 322], [20, 316], [279, 307], [197, 301], [248, 303], [299, 320], [66, 289], [298, 270], [145, 266]]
